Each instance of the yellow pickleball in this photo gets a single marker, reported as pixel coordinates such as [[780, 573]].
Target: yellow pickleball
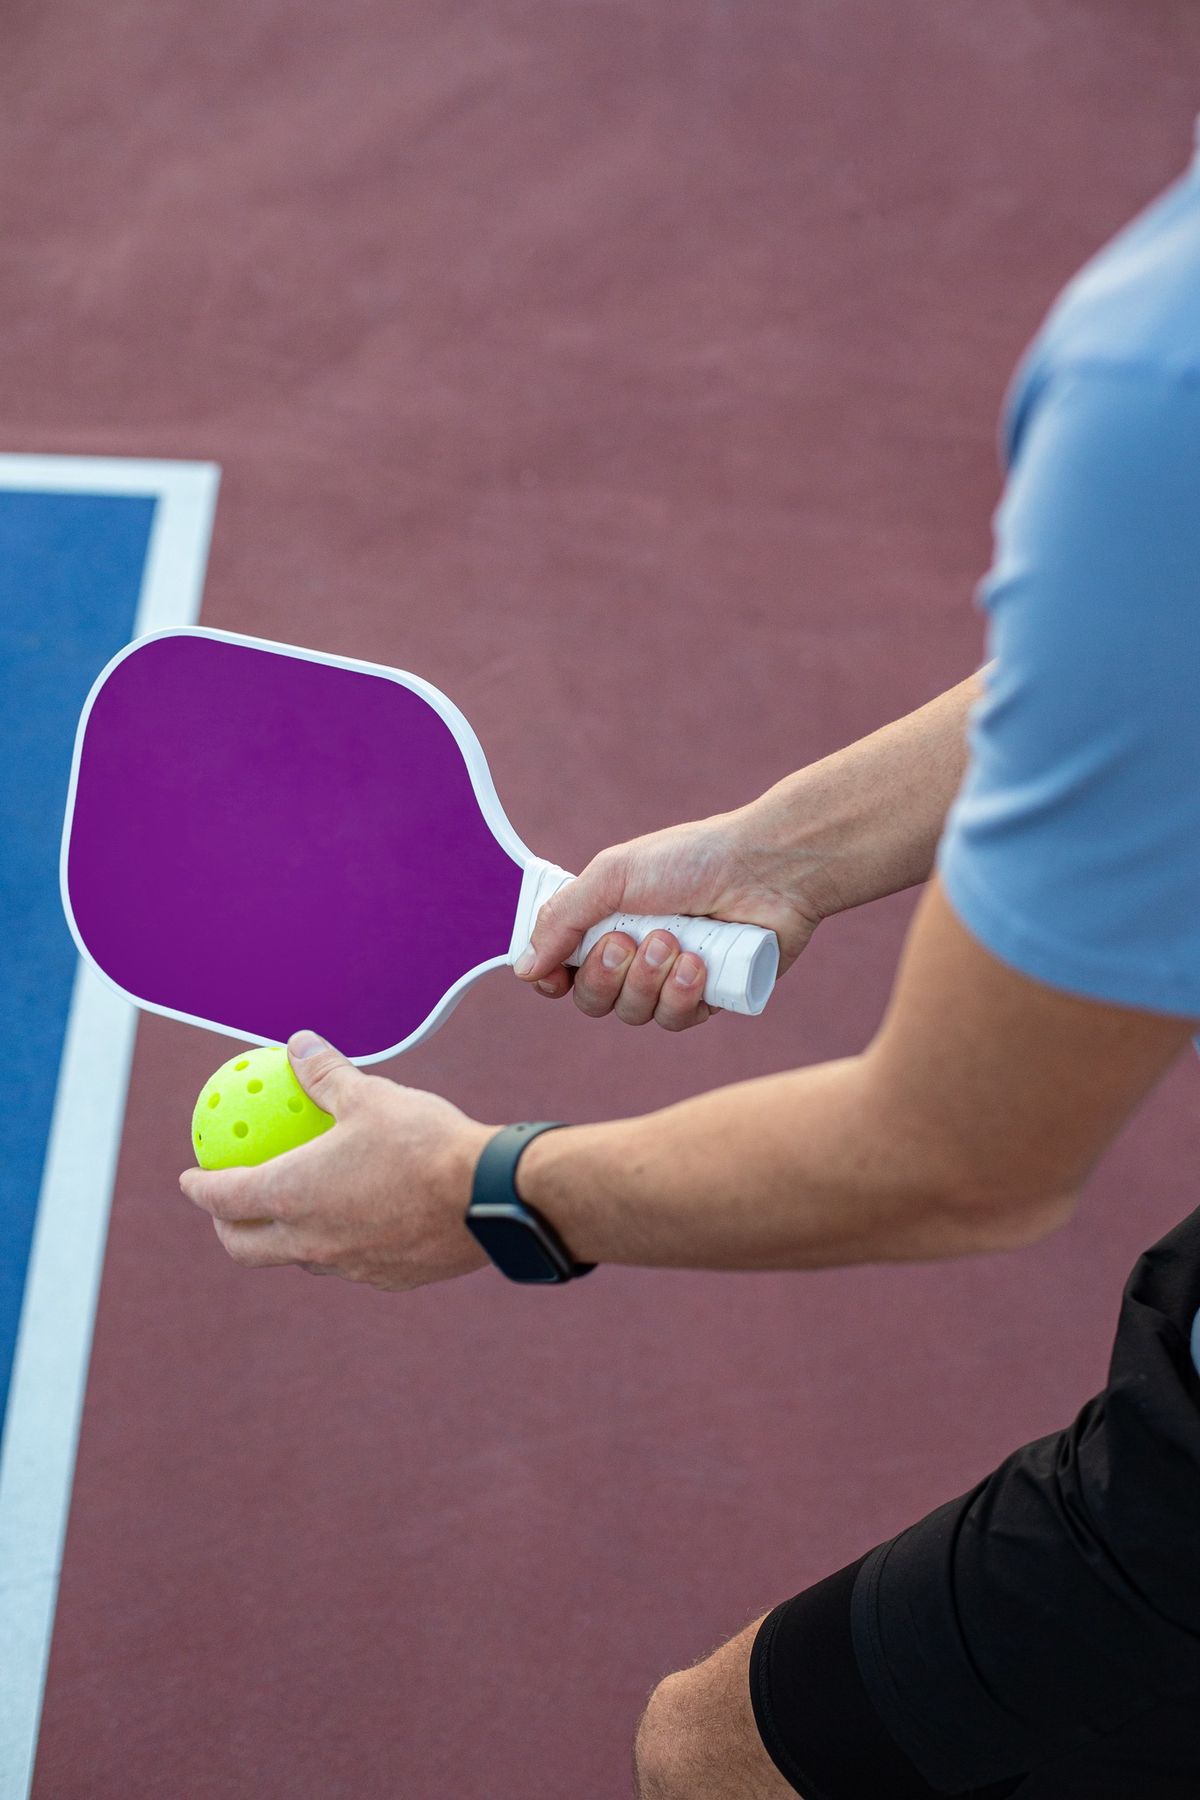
[[251, 1109]]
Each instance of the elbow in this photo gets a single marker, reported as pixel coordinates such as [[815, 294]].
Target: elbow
[[1014, 1222]]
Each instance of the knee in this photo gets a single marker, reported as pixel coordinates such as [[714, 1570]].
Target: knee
[[665, 1736]]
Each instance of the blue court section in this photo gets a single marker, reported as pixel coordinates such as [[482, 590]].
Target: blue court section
[[70, 577]]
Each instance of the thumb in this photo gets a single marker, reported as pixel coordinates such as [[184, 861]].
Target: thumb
[[324, 1073], [567, 915]]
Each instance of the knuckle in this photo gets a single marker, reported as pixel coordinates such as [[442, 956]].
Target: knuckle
[[658, 954], [228, 1199], [645, 980], [283, 1208], [607, 874], [310, 1246], [231, 1241], [681, 1008], [592, 1004], [606, 863], [598, 974]]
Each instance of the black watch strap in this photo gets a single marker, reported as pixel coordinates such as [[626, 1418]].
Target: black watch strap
[[522, 1244]]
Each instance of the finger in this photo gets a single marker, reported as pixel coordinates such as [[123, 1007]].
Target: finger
[[256, 1246], [563, 920], [644, 979], [557, 983], [599, 977], [326, 1076], [681, 1002], [234, 1195]]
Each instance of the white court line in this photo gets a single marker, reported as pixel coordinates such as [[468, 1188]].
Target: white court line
[[37, 1457]]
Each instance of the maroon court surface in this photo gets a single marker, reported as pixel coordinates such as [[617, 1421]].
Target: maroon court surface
[[631, 370]]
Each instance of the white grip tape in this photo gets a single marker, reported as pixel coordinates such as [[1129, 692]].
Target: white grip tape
[[741, 961]]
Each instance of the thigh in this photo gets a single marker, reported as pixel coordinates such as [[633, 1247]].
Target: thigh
[[1040, 1635], [814, 1714], [822, 1732], [1039, 1619], [778, 1711]]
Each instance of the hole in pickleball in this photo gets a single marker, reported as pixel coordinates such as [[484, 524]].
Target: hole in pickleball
[[295, 1104], [213, 1100], [254, 1087], [241, 1128], [244, 1064]]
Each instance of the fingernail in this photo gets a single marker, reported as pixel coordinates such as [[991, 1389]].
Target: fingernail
[[305, 1043], [687, 974], [657, 952], [544, 987], [524, 963], [614, 955]]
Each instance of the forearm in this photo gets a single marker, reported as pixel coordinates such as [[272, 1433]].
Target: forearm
[[866, 821], [792, 1171], [814, 1167]]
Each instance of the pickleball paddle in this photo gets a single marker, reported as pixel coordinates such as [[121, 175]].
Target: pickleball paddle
[[259, 838]]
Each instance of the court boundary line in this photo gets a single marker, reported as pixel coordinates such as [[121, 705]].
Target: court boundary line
[[54, 1334]]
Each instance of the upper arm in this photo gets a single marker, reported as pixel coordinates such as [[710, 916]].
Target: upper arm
[[1073, 848], [1013, 1087], [1053, 972]]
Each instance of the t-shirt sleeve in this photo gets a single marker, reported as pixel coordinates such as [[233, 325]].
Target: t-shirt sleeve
[[1072, 851]]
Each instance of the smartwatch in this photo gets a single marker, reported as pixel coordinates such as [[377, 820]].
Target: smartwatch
[[522, 1244]]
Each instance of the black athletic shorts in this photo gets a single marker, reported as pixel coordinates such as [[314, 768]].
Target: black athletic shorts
[[1038, 1637]]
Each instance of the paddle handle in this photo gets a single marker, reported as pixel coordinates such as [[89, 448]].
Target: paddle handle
[[741, 961]]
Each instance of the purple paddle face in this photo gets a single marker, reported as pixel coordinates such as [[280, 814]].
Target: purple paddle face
[[261, 842]]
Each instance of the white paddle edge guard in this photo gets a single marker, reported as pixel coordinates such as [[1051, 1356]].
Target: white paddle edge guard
[[477, 769], [538, 878], [741, 961]]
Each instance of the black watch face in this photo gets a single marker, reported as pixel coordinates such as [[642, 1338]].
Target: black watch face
[[516, 1249]]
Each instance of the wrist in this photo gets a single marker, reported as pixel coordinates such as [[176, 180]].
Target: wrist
[[522, 1242], [785, 839], [577, 1181], [458, 1178]]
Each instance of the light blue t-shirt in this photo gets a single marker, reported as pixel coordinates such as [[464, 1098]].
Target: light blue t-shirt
[[1073, 849]]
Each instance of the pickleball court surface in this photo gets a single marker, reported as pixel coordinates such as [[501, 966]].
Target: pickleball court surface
[[632, 372]]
